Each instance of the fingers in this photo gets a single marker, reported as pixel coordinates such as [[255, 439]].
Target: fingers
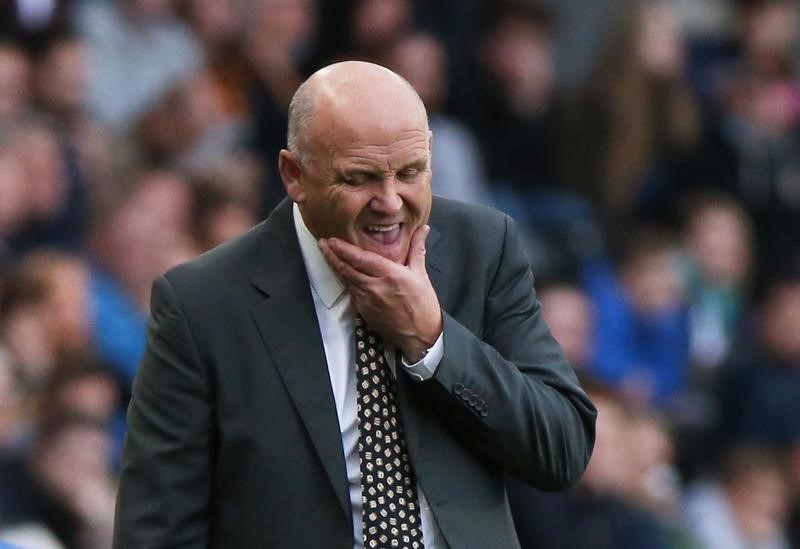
[[349, 274], [367, 262], [416, 250]]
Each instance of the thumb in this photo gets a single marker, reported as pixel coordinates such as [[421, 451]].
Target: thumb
[[416, 251]]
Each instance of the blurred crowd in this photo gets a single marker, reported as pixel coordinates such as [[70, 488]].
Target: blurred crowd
[[658, 189]]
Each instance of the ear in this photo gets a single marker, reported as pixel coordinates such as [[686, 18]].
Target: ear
[[291, 176]]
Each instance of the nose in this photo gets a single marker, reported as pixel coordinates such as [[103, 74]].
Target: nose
[[386, 198]]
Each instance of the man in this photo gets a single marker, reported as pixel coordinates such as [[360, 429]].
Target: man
[[250, 422]]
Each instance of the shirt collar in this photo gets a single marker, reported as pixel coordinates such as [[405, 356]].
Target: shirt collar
[[322, 278]]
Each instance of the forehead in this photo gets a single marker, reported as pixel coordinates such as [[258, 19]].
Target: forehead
[[354, 119]]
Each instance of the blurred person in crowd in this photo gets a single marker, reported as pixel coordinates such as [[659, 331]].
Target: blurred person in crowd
[[422, 60], [60, 78], [45, 314], [205, 117], [641, 338], [514, 106], [715, 262], [278, 37], [81, 385], [597, 513], [515, 113], [15, 74], [376, 26], [139, 50], [219, 26], [634, 123], [54, 193], [62, 482], [202, 466], [654, 483], [362, 29], [136, 234], [224, 206], [745, 507], [760, 388], [61, 67], [570, 314], [754, 150], [188, 130]]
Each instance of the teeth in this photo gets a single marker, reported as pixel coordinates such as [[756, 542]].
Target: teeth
[[382, 228]]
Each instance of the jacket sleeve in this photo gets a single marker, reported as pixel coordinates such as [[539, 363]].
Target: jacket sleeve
[[507, 392], [165, 485]]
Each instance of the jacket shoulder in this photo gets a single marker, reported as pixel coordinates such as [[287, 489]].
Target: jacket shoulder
[[221, 266], [473, 228]]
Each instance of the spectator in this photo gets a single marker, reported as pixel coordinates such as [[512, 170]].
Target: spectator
[[54, 193], [45, 314], [760, 388], [275, 36], [62, 483], [223, 207], [457, 166], [716, 271], [635, 122], [514, 107], [595, 515], [135, 236], [60, 77], [569, 313], [756, 150], [745, 507], [139, 51], [641, 338]]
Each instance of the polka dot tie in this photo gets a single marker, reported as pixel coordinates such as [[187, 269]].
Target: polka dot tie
[[388, 489]]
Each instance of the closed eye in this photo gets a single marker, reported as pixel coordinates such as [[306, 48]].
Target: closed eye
[[356, 179], [411, 172]]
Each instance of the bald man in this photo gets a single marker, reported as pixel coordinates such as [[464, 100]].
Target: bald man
[[359, 370]]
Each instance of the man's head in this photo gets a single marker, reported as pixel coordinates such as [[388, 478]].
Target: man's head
[[358, 158]]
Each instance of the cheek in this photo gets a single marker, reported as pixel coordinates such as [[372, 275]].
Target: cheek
[[418, 200], [342, 208]]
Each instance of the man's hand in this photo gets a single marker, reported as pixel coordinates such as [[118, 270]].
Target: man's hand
[[397, 301]]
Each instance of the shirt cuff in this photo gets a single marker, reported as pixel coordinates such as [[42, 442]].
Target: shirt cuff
[[426, 367]]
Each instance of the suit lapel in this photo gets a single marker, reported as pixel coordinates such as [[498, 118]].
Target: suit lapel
[[287, 322], [437, 263]]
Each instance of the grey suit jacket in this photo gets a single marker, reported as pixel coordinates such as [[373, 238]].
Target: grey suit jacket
[[233, 436]]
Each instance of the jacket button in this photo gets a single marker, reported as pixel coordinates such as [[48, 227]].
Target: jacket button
[[458, 388]]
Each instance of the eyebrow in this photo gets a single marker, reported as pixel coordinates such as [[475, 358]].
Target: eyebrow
[[419, 163]]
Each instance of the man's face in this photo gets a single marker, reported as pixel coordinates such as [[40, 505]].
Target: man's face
[[369, 185]]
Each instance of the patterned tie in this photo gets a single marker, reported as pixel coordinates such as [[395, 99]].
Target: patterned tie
[[388, 489]]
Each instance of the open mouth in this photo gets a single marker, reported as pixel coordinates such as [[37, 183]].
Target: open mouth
[[385, 235]]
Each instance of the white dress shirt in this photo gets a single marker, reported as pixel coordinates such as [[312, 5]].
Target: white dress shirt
[[336, 316]]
